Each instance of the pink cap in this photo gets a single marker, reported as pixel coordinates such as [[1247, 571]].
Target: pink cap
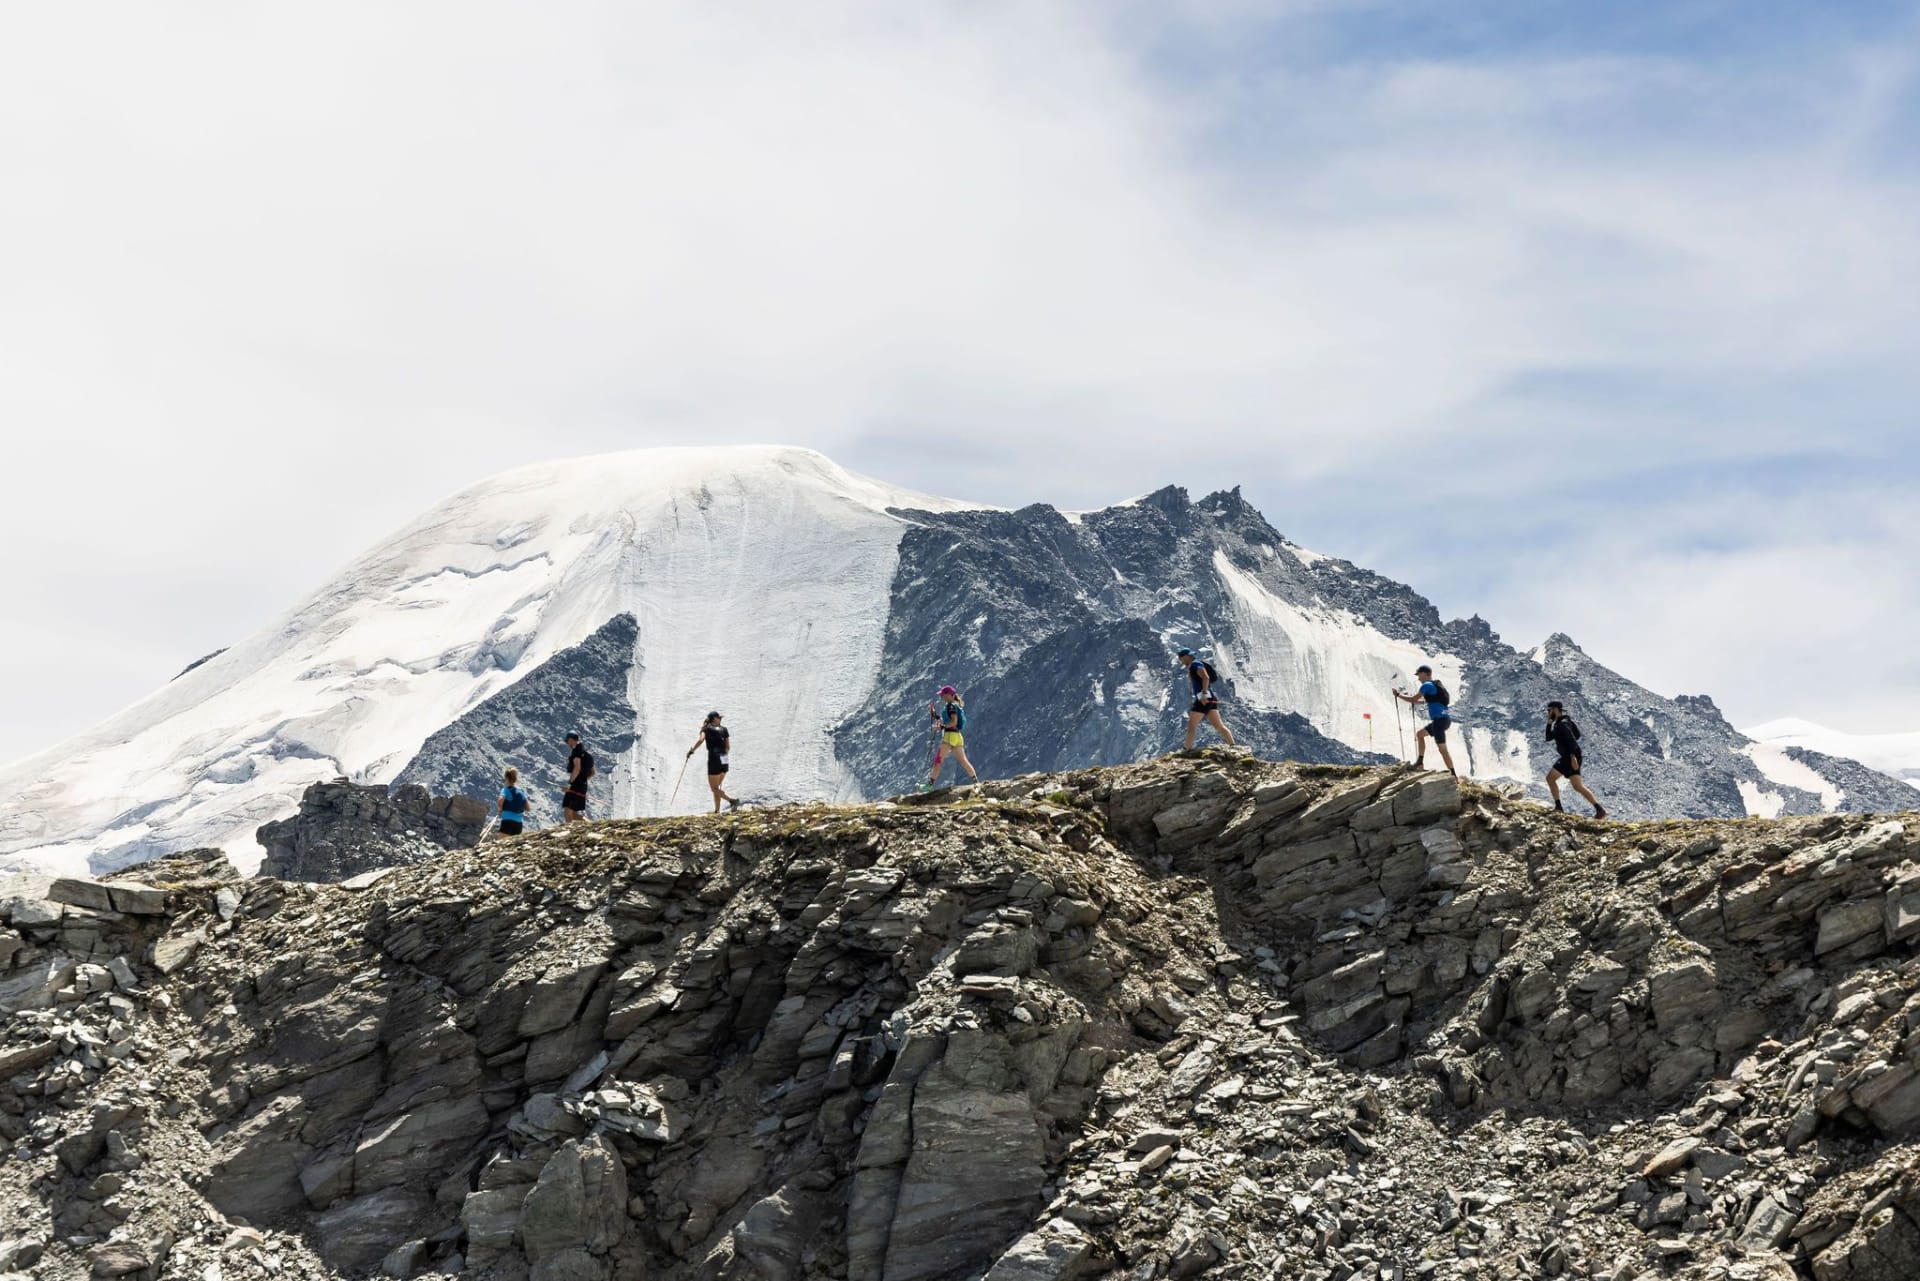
[[946, 690]]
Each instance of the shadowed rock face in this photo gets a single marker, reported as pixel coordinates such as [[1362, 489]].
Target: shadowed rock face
[[344, 829], [525, 725], [1206, 1014]]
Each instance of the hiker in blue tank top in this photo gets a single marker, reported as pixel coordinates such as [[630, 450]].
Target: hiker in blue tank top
[[1439, 719], [513, 804]]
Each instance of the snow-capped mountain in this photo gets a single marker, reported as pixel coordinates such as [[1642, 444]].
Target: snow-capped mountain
[[1897, 755], [627, 595]]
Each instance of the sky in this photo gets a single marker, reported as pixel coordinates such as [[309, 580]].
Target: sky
[[1597, 319]]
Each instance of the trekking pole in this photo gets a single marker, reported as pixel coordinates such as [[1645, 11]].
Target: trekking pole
[[1399, 725], [676, 783]]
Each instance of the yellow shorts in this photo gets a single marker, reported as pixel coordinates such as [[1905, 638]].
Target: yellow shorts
[[953, 738]]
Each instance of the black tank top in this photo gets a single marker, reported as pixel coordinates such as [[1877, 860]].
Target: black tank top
[[716, 736]]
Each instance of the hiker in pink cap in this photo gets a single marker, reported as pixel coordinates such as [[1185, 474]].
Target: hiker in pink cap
[[950, 716]]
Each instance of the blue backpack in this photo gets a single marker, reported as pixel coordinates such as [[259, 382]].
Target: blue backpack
[[514, 800]]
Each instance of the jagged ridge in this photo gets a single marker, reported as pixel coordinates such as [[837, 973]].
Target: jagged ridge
[[1199, 1014]]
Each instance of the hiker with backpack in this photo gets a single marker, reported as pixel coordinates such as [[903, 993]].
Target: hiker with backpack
[[718, 743], [513, 805], [950, 717], [1206, 704], [1565, 737], [1439, 717], [573, 804]]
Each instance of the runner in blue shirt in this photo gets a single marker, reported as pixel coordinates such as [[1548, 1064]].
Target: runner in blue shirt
[[1206, 701], [1439, 721]]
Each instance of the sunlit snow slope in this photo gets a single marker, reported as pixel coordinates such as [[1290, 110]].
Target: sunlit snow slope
[[1894, 754], [758, 576]]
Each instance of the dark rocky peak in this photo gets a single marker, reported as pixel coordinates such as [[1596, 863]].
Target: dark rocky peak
[[1471, 634], [344, 829], [1170, 501], [1701, 703]]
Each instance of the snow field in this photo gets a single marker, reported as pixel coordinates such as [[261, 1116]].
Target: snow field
[[1331, 667], [1894, 754], [534, 560]]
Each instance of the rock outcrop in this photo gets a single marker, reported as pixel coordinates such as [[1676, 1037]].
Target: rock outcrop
[[1205, 1015], [345, 829]]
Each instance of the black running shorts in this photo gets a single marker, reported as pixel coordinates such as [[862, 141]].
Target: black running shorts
[[1438, 729], [1205, 705], [715, 766], [1567, 767], [575, 801], [509, 827]]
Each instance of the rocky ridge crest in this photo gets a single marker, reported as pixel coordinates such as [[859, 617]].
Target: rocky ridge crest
[[1204, 1015]]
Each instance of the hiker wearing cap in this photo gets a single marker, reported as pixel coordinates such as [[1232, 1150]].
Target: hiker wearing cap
[[950, 714], [1439, 720], [718, 742], [513, 804], [1206, 703], [573, 805], [1565, 737]]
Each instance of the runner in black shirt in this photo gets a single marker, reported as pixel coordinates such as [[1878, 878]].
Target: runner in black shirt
[[573, 805], [718, 743], [1565, 737]]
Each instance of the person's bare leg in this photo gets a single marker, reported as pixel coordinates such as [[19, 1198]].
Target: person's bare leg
[[1213, 719], [713, 785], [960, 754], [1580, 786], [1553, 785], [1446, 756], [1193, 727], [939, 763], [1419, 747]]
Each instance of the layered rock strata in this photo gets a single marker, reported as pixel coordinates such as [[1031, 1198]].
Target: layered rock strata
[[1205, 1015]]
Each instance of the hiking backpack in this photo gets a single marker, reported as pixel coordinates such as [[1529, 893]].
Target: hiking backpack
[[515, 800], [1440, 695], [959, 717]]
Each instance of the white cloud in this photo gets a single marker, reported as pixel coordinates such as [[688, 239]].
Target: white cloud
[[279, 277]]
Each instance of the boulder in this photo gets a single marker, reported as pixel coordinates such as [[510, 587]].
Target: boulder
[[356, 1235], [1847, 923], [491, 1217], [556, 997], [772, 1234], [136, 899], [1684, 994], [81, 893], [1056, 1252], [576, 1212]]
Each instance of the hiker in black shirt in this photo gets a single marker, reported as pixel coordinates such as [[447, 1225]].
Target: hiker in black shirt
[[718, 743], [1206, 700], [573, 805], [1565, 737]]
